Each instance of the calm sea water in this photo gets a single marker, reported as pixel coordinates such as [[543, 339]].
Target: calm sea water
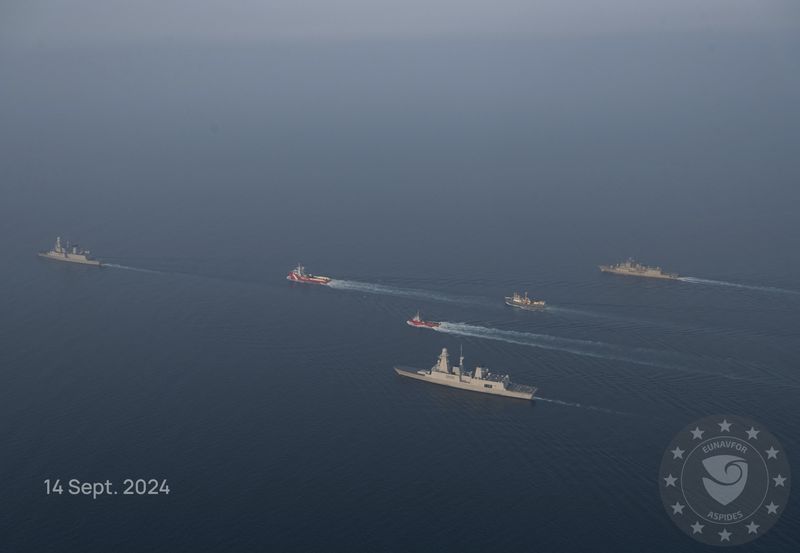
[[434, 176]]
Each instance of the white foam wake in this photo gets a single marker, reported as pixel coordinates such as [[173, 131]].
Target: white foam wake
[[586, 348], [128, 268], [579, 405], [773, 289], [600, 350], [381, 289]]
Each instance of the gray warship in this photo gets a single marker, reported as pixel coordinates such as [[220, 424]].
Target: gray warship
[[632, 268], [479, 380], [70, 254], [524, 302]]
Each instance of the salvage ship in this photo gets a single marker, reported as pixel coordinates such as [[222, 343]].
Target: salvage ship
[[632, 268], [524, 302], [479, 380], [416, 321], [71, 254], [298, 274]]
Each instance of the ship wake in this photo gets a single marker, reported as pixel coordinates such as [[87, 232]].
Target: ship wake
[[129, 268], [585, 348], [384, 290], [579, 405], [709, 282]]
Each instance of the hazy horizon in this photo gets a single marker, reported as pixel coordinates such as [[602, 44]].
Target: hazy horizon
[[425, 159], [93, 22]]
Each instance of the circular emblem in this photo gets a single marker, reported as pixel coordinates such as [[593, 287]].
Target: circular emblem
[[724, 480]]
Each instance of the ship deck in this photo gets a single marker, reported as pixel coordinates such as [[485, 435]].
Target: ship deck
[[522, 388], [70, 259], [529, 306], [408, 370], [511, 391]]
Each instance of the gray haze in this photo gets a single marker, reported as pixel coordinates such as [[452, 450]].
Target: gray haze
[[59, 21], [676, 119], [448, 148]]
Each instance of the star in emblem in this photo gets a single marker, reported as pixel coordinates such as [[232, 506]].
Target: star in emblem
[[697, 528], [772, 509], [772, 453], [724, 426], [697, 434], [677, 453], [779, 480], [752, 434], [670, 481], [752, 528], [677, 508], [725, 535]]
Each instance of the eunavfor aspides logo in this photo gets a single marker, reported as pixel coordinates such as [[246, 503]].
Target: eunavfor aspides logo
[[724, 480]]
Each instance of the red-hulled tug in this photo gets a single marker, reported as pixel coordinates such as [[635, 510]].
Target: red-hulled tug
[[299, 274], [417, 321]]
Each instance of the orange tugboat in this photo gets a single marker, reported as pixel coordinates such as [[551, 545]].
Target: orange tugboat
[[417, 321], [299, 274]]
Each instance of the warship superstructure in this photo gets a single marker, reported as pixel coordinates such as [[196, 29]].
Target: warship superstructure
[[479, 380], [416, 321], [524, 302], [71, 254], [298, 274], [632, 268]]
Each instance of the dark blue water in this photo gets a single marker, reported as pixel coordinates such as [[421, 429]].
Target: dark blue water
[[434, 176]]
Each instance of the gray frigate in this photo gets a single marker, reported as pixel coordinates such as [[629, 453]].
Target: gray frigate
[[71, 254], [632, 268], [479, 380]]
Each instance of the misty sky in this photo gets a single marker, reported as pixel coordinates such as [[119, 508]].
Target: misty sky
[[67, 21]]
